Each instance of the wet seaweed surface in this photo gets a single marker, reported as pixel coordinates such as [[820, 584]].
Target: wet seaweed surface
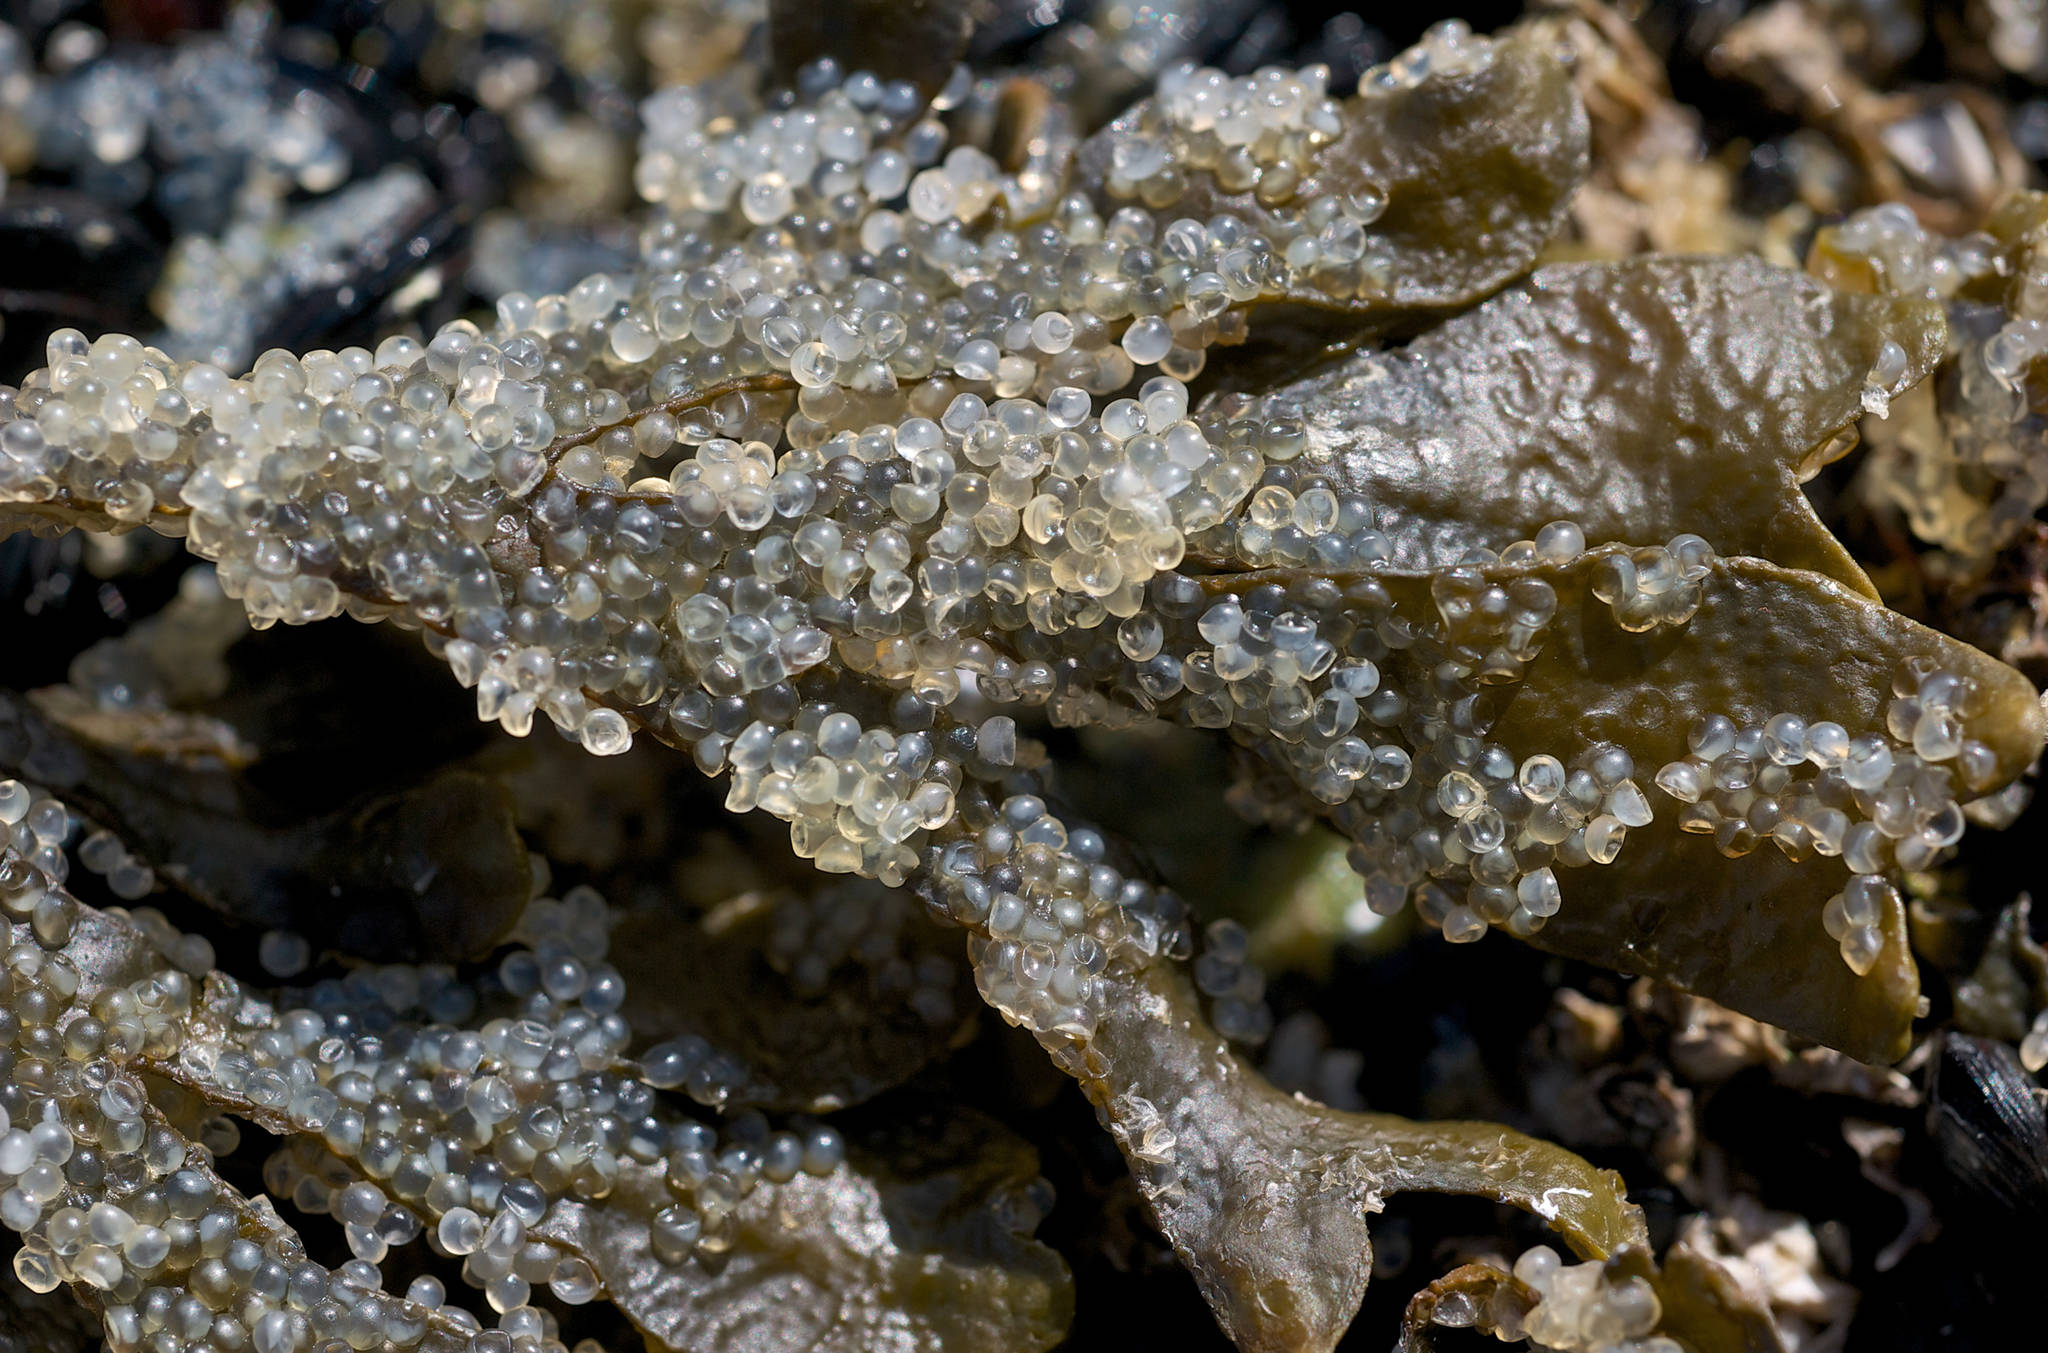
[[1037, 676]]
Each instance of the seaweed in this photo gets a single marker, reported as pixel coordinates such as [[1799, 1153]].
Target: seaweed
[[924, 430]]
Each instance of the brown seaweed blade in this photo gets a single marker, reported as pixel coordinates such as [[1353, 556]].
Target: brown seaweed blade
[[1476, 163], [1642, 400], [1639, 399], [1747, 932], [105, 953], [1265, 1195], [907, 1247], [1696, 373], [921, 1238], [808, 1047]]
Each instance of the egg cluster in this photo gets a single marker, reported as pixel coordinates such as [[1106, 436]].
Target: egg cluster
[[1876, 800], [1258, 139], [1048, 912], [1447, 48], [36, 827], [106, 1196], [183, 127], [1971, 480], [1854, 917], [1655, 585], [414, 1102], [856, 921], [1585, 1309], [862, 463], [1298, 518], [1370, 705], [1254, 134], [538, 1103], [1236, 986], [843, 417]]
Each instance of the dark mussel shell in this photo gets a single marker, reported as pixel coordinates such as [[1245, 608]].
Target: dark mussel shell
[[1988, 1125]]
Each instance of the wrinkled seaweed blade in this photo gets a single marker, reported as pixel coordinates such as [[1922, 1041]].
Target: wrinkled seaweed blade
[[804, 1053], [1639, 399], [1478, 168], [1744, 932], [1588, 1207], [108, 951], [1479, 171], [901, 1249], [1265, 1195]]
